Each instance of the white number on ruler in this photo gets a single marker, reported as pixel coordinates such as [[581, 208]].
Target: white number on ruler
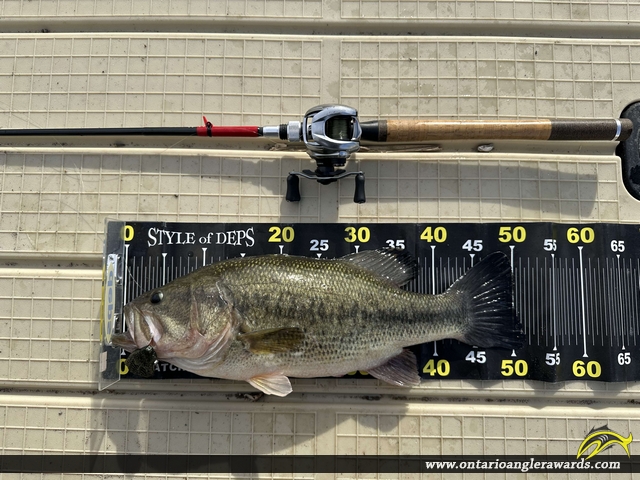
[[550, 244], [399, 244], [475, 245], [617, 245], [319, 245], [553, 359], [474, 357], [624, 358]]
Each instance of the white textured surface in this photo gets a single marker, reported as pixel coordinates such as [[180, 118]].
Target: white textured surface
[[53, 202]]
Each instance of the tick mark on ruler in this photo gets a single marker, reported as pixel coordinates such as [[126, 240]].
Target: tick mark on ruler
[[164, 268], [584, 315]]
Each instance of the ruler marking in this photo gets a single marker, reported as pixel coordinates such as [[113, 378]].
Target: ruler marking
[[433, 287], [634, 296], [143, 275], [633, 315], [156, 272], [571, 301], [605, 299], [596, 325], [536, 305], [595, 308], [621, 308], [629, 304], [553, 302], [582, 303]]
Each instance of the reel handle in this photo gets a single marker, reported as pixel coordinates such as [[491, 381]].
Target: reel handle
[[293, 188], [358, 194]]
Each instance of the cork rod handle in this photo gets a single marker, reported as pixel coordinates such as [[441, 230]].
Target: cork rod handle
[[543, 129]]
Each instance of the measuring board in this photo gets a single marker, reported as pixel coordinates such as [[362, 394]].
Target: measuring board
[[576, 287]]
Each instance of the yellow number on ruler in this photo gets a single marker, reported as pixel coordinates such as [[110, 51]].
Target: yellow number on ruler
[[442, 368], [285, 234], [520, 368], [362, 234], [439, 234], [517, 234], [584, 235], [593, 369], [127, 233]]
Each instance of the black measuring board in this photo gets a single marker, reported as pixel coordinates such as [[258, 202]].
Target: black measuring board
[[576, 286]]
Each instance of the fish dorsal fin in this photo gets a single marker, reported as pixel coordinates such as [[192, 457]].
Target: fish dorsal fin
[[396, 266], [272, 340], [401, 370], [274, 384]]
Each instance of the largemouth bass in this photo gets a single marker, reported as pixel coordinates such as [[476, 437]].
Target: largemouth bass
[[266, 318]]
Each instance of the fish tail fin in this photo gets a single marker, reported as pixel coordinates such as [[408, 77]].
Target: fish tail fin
[[487, 289]]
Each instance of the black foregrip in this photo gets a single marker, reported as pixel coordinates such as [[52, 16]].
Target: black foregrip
[[374, 131], [605, 129]]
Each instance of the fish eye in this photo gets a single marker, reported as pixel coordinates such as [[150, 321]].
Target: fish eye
[[156, 297]]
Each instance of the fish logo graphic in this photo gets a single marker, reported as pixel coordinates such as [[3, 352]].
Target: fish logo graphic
[[602, 439]]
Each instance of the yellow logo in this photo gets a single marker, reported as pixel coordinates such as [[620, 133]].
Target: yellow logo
[[602, 439]]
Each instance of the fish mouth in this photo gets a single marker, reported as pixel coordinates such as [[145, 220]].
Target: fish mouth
[[133, 338]]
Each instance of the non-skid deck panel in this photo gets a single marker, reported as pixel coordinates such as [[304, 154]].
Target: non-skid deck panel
[[173, 79], [547, 11], [169, 424], [489, 78], [57, 202], [258, 9], [150, 80], [348, 14]]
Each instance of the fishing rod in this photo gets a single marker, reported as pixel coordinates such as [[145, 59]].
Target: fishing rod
[[332, 133]]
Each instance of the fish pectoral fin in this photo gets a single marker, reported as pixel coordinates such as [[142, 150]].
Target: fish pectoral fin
[[401, 370], [272, 340], [274, 384]]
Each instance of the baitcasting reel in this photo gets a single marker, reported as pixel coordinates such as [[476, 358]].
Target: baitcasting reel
[[331, 134]]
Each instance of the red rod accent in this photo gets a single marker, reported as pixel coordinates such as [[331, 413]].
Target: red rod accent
[[213, 131]]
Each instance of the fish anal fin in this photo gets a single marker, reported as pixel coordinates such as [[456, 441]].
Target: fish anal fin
[[274, 384], [396, 266], [272, 340], [401, 370]]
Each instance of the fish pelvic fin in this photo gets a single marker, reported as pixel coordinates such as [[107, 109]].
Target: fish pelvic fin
[[274, 384], [396, 266], [401, 370], [487, 289], [272, 340]]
